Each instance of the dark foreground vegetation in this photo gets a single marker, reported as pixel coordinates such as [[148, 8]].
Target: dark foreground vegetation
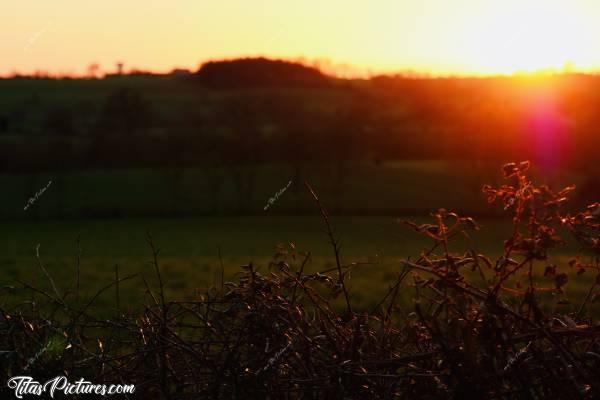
[[477, 328]]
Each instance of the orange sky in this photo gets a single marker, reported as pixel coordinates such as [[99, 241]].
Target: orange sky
[[431, 36]]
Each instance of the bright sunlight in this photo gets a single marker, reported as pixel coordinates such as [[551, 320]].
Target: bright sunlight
[[439, 37], [530, 38]]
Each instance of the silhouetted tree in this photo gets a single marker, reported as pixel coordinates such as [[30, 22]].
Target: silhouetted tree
[[93, 69], [123, 117], [258, 72], [296, 135], [346, 143], [3, 124], [125, 111], [59, 121], [243, 144]]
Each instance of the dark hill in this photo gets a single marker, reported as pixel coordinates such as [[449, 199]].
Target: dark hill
[[259, 72]]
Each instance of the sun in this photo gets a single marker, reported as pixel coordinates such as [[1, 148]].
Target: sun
[[530, 38]]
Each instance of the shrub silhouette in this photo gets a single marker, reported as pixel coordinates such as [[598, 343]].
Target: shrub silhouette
[[124, 112], [59, 121], [258, 72], [478, 328]]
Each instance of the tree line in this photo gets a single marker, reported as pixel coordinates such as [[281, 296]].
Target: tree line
[[294, 114]]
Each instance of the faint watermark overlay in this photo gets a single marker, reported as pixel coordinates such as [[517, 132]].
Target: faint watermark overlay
[[34, 38], [37, 195], [274, 359], [273, 199], [517, 356], [26, 385]]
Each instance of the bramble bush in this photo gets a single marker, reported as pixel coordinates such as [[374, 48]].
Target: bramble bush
[[477, 328]]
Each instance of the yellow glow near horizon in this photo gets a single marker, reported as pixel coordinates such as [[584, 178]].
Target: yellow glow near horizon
[[429, 36], [533, 37]]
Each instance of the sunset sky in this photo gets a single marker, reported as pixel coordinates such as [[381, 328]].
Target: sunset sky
[[431, 36]]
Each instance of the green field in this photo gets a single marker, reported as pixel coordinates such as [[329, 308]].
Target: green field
[[238, 226], [392, 188], [190, 247]]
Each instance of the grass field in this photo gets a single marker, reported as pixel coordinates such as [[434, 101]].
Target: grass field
[[393, 188], [190, 247]]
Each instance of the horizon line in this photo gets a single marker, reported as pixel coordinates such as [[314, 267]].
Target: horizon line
[[337, 70]]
